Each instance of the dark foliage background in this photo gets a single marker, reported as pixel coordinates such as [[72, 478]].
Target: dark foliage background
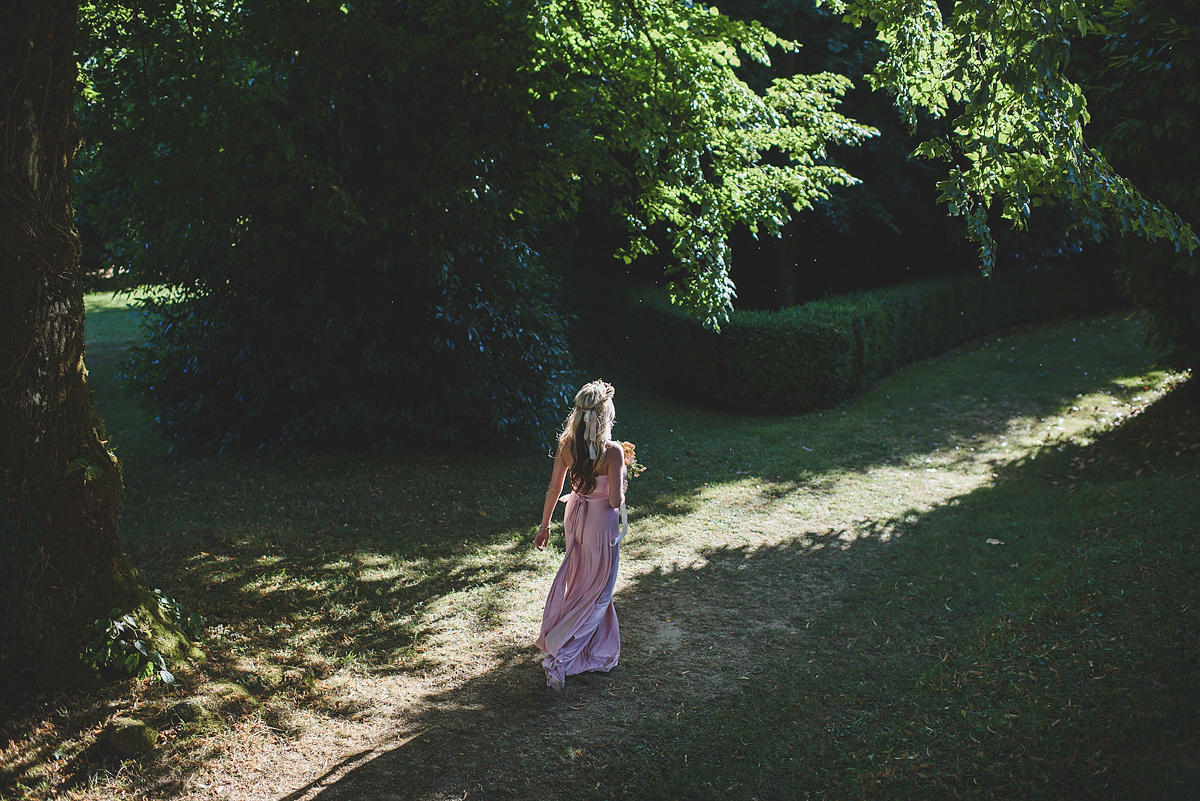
[[361, 211], [1144, 78], [322, 194], [891, 227], [886, 229], [363, 215]]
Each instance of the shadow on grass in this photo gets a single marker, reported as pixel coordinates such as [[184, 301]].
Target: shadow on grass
[[302, 563], [346, 550], [1059, 664]]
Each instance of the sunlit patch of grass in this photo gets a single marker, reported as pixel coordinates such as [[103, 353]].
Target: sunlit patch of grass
[[1032, 636]]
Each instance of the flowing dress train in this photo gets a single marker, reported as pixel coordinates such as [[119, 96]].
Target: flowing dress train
[[579, 624]]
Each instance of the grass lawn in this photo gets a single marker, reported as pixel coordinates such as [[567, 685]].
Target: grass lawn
[[979, 579]]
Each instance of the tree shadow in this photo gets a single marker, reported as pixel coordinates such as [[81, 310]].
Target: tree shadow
[[776, 671], [303, 563], [348, 548]]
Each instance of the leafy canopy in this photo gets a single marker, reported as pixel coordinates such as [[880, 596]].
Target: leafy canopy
[[998, 69], [361, 205], [680, 141]]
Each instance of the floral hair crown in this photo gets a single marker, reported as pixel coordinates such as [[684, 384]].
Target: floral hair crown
[[590, 400], [594, 395]]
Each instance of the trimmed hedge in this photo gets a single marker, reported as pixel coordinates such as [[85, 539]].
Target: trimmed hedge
[[812, 356]]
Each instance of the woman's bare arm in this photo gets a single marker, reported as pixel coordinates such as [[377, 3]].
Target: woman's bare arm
[[557, 475], [616, 474]]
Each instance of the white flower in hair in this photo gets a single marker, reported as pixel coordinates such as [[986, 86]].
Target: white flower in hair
[[592, 418]]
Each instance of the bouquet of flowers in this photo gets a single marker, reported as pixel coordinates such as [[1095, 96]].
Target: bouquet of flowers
[[632, 467]]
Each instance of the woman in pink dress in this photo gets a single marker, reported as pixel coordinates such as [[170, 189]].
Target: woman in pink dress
[[579, 624]]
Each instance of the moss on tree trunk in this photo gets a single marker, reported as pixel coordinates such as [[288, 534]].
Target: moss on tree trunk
[[60, 487]]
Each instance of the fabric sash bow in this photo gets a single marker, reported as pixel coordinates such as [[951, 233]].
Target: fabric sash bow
[[573, 523]]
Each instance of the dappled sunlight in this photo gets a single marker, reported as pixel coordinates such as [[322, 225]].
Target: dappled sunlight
[[747, 650], [386, 606]]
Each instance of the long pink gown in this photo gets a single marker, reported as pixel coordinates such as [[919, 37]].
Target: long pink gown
[[579, 624]]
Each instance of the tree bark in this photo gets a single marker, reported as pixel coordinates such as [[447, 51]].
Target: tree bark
[[60, 488]]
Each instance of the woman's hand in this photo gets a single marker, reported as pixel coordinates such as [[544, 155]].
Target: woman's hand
[[543, 537]]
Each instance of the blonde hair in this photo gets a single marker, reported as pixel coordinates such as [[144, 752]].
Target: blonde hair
[[587, 429]]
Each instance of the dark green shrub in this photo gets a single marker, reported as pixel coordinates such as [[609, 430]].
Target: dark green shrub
[[474, 356], [1166, 284], [811, 356]]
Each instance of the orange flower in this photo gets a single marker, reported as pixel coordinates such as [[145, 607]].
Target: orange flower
[[632, 468]]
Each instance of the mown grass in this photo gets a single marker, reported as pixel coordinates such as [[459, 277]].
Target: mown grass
[[1037, 637], [843, 627], [1062, 663]]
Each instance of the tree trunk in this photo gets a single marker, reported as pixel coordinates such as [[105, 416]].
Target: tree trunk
[[60, 487]]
